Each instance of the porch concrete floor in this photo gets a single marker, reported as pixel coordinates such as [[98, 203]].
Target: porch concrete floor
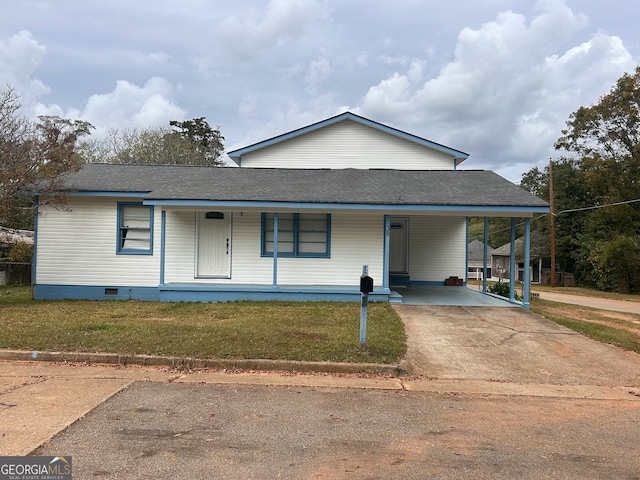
[[452, 296]]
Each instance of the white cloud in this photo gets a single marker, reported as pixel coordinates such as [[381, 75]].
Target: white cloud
[[247, 35], [19, 58], [510, 88], [319, 71], [153, 58], [127, 106]]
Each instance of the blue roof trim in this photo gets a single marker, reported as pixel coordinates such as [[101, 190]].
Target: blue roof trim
[[236, 154], [346, 206]]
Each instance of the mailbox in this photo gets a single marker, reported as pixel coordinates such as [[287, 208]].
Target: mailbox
[[366, 284]]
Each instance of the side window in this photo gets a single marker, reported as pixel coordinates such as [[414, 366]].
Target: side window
[[299, 234], [135, 229]]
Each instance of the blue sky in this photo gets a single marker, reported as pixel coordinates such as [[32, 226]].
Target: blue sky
[[494, 78]]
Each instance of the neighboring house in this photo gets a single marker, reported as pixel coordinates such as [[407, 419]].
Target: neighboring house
[[298, 220], [10, 236], [539, 264], [476, 260]]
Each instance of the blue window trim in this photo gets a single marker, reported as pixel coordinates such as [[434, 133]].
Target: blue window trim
[[296, 232], [119, 229]]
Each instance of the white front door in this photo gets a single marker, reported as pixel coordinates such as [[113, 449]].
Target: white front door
[[214, 244], [398, 245]]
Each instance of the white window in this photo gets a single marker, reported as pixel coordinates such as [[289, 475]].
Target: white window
[[135, 229]]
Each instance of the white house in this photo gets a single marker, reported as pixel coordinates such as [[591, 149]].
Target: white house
[[298, 220], [476, 261]]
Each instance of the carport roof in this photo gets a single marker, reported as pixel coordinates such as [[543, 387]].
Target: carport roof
[[171, 184]]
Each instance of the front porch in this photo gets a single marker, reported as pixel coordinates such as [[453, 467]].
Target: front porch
[[414, 295]]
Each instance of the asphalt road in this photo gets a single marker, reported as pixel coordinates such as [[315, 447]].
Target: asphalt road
[[190, 431]]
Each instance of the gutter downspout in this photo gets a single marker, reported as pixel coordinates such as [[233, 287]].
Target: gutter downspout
[[163, 231], [34, 259]]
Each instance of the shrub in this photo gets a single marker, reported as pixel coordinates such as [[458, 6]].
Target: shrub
[[502, 289], [20, 252]]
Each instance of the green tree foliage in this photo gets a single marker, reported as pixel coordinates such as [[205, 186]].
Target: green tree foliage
[[20, 252], [207, 143], [189, 142], [499, 230], [600, 168], [30, 153]]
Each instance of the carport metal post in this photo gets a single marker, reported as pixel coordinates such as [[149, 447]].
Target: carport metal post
[[485, 254], [512, 262], [527, 259]]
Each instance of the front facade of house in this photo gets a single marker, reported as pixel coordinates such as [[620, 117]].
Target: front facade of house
[[298, 220]]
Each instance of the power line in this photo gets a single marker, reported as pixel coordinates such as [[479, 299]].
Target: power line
[[517, 225], [600, 206]]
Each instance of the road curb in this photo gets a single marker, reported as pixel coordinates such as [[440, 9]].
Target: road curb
[[189, 363]]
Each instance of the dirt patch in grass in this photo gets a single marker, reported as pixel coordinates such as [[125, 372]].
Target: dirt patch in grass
[[624, 321]]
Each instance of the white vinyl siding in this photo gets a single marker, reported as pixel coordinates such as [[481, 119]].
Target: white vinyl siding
[[348, 144], [355, 240], [77, 245], [437, 248]]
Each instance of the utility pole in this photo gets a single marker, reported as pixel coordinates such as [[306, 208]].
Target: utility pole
[[553, 229]]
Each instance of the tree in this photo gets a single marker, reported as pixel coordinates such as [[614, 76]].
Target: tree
[[31, 153], [189, 142], [596, 186], [207, 142]]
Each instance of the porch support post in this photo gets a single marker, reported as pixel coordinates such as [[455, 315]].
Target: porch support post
[[512, 262], [385, 253], [163, 231], [466, 254], [485, 254], [275, 249], [527, 258]]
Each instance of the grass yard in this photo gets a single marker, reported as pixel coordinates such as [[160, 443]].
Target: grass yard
[[615, 328], [309, 331]]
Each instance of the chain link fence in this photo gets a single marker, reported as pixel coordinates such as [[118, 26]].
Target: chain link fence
[[15, 273]]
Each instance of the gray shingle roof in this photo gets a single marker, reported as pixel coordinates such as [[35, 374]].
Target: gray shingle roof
[[539, 246], [346, 186], [475, 250]]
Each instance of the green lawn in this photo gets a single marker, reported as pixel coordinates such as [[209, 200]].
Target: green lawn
[[309, 331], [622, 330]]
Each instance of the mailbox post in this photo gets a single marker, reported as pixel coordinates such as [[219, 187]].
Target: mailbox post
[[366, 287]]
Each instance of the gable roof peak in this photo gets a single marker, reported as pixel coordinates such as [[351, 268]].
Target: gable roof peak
[[348, 115]]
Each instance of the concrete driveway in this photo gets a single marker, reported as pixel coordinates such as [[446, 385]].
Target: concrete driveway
[[509, 345]]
